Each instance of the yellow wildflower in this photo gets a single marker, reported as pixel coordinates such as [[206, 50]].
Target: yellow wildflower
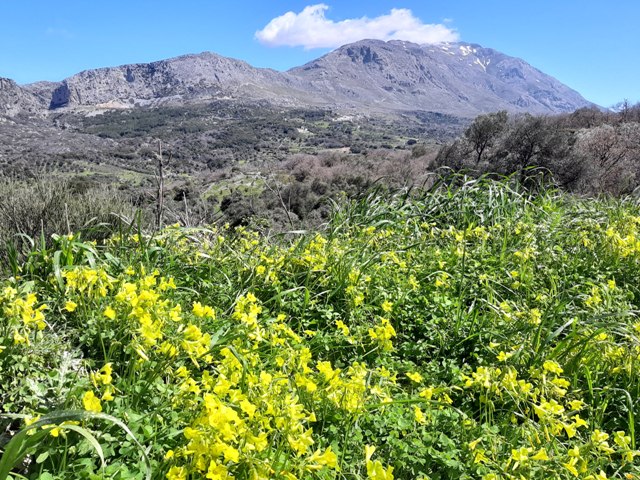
[[375, 470], [317, 460], [342, 327], [552, 366], [91, 402], [70, 306], [576, 404], [520, 455], [177, 473], [503, 357], [19, 339], [571, 466], [107, 396], [419, 415], [472, 445], [541, 455], [110, 313], [202, 311], [301, 442]]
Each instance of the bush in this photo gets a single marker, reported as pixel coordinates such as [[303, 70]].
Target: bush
[[36, 209]]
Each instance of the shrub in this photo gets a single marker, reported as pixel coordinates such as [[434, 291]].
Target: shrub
[[33, 210]]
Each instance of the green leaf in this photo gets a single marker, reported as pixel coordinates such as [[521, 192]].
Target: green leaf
[[56, 269], [89, 436], [42, 457]]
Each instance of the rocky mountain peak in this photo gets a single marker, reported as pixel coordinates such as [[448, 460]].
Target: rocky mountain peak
[[185, 78], [455, 78]]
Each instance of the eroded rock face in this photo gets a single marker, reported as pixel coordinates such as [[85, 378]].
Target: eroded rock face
[[184, 78], [369, 76], [16, 100]]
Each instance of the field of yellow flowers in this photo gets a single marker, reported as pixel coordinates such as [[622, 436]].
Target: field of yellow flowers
[[469, 332]]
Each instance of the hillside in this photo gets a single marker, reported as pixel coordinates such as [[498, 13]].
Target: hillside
[[455, 78]]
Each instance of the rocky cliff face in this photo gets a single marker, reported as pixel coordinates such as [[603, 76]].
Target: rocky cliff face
[[16, 100], [369, 76], [181, 79], [456, 78]]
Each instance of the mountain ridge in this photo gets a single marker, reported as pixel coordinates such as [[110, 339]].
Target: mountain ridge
[[368, 76], [441, 76]]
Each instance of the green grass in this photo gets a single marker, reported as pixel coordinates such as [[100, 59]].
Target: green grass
[[475, 330]]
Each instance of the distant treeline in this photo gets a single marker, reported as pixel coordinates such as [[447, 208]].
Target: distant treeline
[[589, 151]]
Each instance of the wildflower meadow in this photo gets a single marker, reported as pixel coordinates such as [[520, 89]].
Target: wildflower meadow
[[477, 331]]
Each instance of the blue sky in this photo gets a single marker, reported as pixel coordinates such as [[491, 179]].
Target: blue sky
[[592, 46]]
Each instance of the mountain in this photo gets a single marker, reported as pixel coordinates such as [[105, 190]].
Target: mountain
[[366, 77], [455, 78], [16, 100], [184, 79]]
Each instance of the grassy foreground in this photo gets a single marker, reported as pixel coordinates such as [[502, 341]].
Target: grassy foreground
[[468, 332]]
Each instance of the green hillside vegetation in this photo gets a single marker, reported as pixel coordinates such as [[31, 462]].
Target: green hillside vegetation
[[281, 169], [473, 330]]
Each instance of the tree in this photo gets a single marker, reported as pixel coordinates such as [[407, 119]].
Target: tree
[[603, 144], [452, 155], [535, 142], [586, 117], [611, 153], [484, 131], [625, 108]]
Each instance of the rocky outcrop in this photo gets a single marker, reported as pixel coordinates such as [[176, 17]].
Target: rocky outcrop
[[16, 100], [186, 78]]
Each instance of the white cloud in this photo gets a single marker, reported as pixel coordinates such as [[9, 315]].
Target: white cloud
[[311, 29]]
